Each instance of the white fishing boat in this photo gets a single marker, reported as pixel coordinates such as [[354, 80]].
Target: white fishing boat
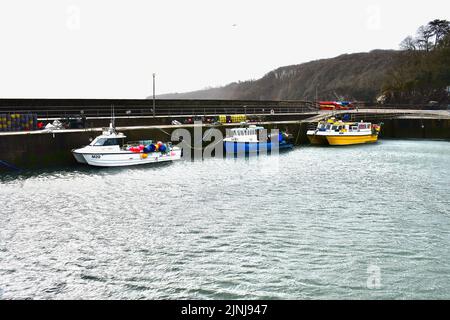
[[110, 150]]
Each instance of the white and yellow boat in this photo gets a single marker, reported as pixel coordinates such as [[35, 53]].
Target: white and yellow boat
[[339, 133]]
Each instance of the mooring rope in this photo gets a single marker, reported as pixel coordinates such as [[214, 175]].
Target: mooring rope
[[190, 146], [169, 134]]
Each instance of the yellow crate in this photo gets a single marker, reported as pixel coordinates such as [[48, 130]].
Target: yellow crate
[[238, 118]]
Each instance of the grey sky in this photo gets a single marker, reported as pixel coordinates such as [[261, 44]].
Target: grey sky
[[109, 49]]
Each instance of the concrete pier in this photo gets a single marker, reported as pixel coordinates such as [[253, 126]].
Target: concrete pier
[[46, 149], [38, 149], [52, 148]]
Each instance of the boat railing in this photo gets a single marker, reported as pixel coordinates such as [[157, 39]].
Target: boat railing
[[139, 142], [144, 142]]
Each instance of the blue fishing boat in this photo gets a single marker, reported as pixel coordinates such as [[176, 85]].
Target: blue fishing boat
[[254, 140]]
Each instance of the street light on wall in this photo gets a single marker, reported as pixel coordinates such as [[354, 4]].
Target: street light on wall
[[317, 96]]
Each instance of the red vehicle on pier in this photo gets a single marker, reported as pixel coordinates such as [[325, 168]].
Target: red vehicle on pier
[[335, 105]]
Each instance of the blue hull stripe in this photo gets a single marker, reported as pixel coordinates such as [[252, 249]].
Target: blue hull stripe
[[242, 147]]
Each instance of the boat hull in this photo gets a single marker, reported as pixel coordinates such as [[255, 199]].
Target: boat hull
[[317, 139], [234, 147], [124, 158], [345, 140], [79, 157]]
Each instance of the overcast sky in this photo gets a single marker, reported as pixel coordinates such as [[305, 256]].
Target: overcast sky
[[109, 49]]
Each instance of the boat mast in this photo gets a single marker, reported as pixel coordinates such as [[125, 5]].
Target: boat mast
[[113, 124]]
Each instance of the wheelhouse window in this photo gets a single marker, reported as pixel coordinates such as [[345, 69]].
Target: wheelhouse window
[[108, 142]]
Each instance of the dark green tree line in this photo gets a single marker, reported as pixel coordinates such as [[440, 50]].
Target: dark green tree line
[[422, 72]]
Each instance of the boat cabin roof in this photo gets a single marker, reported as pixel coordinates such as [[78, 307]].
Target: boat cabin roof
[[107, 139], [341, 123]]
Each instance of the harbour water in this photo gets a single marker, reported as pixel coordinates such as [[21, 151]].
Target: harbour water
[[362, 222]]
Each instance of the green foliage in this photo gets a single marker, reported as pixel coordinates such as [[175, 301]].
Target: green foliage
[[422, 72]]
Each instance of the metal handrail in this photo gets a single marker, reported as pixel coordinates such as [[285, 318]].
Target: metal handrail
[[227, 108], [161, 111]]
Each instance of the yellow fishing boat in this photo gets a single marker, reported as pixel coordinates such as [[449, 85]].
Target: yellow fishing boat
[[339, 133]]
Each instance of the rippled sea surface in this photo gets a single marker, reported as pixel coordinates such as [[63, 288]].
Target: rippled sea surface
[[314, 223]]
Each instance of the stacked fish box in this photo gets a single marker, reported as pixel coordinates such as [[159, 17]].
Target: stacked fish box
[[18, 122], [235, 118]]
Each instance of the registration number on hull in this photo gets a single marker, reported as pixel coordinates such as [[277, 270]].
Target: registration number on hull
[[96, 156]]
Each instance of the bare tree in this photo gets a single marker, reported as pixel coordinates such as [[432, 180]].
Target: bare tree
[[424, 34], [409, 43]]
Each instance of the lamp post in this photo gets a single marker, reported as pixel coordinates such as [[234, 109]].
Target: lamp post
[[317, 102], [154, 111]]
